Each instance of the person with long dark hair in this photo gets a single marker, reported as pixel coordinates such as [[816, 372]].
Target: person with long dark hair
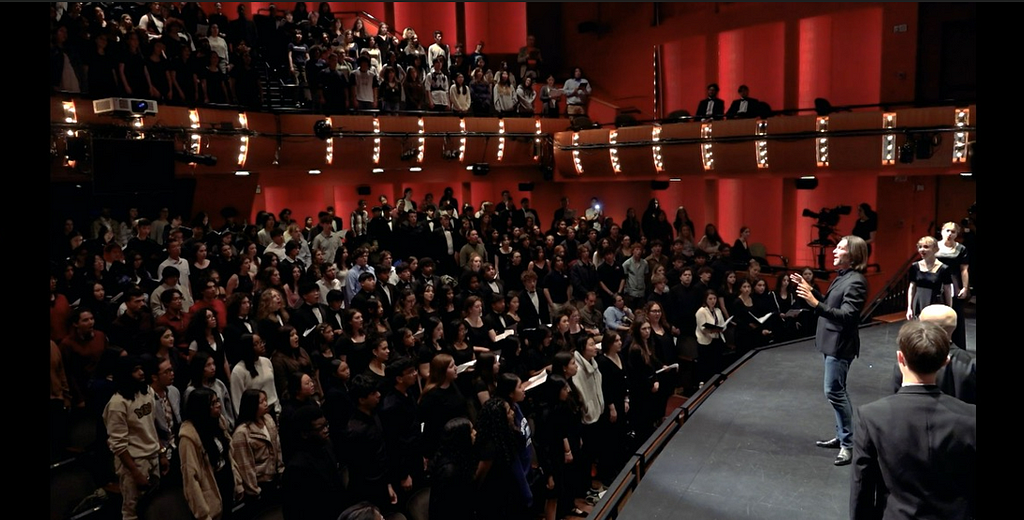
[[649, 398], [256, 448], [504, 460], [254, 371], [615, 389], [203, 374], [440, 402], [452, 479], [290, 357], [203, 336], [557, 444], [587, 386], [710, 342], [711, 240], [211, 478]]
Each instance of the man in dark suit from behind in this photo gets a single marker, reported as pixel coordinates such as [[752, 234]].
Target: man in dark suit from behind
[[959, 377], [915, 452]]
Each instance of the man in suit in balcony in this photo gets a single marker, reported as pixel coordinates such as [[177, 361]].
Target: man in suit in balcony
[[745, 107], [711, 107]]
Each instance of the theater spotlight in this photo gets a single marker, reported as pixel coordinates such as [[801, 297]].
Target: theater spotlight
[[409, 154], [322, 129]]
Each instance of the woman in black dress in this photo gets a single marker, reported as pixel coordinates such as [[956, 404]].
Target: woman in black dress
[[440, 402], [954, 255], [479, 336], [647, 405], [615, 387], [929, 279]]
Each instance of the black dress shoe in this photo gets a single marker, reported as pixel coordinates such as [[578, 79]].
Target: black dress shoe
[[844, 457], [832, 443]]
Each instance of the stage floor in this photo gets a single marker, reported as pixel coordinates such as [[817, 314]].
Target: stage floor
[[748, 451]]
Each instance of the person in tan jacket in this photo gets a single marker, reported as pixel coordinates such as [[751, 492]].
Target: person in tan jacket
[[256, 447], [210, 477]]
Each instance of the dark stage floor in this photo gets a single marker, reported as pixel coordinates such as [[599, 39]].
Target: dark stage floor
[[748, 451]]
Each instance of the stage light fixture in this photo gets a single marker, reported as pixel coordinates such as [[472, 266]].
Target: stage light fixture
[[322, 129]]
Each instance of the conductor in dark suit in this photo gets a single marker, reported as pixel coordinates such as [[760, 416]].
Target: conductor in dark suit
[[915, 452], [837, 336], [959, 377]]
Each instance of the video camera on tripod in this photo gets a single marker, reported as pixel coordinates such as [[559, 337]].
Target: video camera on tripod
[[827, 219]]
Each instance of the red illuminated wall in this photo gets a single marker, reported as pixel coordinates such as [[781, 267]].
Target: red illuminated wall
[[682, 60], [841, 58], [501, 26], [426, 17]]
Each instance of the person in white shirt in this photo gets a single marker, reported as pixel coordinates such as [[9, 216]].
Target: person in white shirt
[[439, 50], [459, 97], [174, 259], [277, 242], [219, 45], [328, 282]]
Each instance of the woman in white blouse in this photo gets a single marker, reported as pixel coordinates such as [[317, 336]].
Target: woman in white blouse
[[710, 345]]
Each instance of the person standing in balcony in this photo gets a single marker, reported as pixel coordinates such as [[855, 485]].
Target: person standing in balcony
[[577, 93]]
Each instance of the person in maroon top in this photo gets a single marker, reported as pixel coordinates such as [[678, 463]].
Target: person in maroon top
[[212, 301], [87, 361]]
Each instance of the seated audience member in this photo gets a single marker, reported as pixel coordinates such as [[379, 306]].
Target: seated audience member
[[745, 107]]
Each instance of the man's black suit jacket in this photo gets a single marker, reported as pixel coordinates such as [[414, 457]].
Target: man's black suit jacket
[[717, 110], [529, 316], [914, 456], [839, 315]]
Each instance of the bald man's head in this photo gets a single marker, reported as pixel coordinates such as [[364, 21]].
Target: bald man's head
[[940, 315]]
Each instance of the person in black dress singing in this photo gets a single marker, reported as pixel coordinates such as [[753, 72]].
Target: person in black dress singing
[[929, 280]]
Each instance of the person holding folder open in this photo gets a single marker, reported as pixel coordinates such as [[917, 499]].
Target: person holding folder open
[[711, 323]]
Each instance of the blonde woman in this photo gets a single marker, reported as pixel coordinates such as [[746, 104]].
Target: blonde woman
[[929, 279]]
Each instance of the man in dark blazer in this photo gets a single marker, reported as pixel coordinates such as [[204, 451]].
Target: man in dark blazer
[[711, 107], [533, 310], [915, 452], [745, 107], [837, 336], [310, 314], [959, 377]]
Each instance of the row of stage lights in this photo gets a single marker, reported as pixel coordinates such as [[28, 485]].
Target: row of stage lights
[[323, 130], [889, 149]]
